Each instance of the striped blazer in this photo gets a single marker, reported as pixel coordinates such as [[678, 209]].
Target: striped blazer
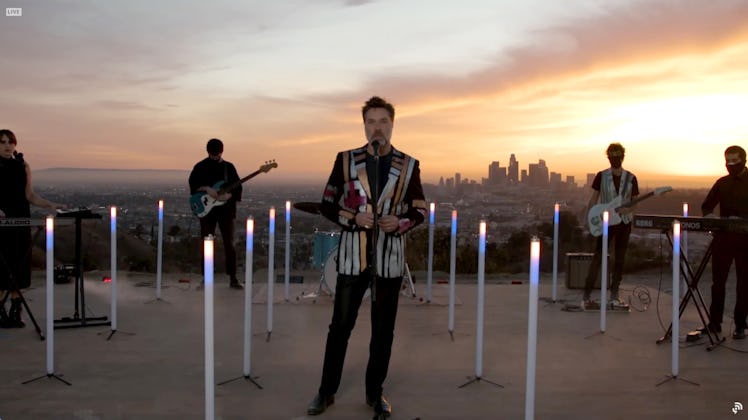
[[348, 191]]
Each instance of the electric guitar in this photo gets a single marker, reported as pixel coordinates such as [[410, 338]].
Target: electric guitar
[[201, 203], [595, 215]]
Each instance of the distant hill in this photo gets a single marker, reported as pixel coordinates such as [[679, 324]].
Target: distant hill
[[126, 177], [67, 176], [132, 253]]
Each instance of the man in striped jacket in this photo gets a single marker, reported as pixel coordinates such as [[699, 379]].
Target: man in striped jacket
[[374, 194]]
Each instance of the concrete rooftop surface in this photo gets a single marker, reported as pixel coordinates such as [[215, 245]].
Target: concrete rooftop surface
[[152, 367]]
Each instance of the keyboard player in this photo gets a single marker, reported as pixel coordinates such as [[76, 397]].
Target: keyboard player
[[16, 197], [730, 192]]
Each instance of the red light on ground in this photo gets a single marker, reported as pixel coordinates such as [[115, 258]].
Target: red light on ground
[[106, 279]]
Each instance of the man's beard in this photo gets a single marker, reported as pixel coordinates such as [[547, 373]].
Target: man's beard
[[735, 169], [615, 162]]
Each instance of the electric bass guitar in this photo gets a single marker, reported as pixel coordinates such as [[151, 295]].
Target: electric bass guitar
[[201, 203], [595, 215]]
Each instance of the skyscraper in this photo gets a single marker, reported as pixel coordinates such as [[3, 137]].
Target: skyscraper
[[538, 174], [493, 170], [513, 174], [496, 174], [590, 179]]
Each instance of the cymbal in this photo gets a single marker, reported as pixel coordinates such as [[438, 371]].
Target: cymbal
[[308, 207]]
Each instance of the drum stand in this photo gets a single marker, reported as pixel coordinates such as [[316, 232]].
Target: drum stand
[[322, 283], [408, 289]]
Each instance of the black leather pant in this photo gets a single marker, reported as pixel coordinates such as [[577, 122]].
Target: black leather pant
[[349, 292], [224, 218], [727, 247], [618, 236]]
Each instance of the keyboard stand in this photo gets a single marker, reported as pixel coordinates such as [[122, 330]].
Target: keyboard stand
[[693, 292], [79, 318]]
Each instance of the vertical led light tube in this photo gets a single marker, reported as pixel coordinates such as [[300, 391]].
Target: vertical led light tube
[[532, 328]]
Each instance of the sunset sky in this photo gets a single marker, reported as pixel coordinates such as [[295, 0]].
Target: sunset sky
[[144, 84]]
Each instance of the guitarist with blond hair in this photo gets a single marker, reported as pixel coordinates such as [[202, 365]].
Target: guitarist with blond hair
[[607, 186], [204, 176]]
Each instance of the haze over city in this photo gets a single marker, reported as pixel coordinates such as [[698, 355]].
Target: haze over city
[[142, 85]]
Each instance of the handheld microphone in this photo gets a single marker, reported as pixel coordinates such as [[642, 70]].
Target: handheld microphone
[[375, 145]]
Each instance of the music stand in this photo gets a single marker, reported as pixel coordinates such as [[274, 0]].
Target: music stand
[[79, 318]]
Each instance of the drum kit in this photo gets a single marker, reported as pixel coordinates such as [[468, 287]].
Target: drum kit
[[324, 255], [325, 258]]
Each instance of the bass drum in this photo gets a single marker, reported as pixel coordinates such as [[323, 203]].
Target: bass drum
[[325, 243], [330, 271], [330, 276]]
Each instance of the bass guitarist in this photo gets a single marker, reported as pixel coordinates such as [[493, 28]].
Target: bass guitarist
[[607, 186], [204, 176]]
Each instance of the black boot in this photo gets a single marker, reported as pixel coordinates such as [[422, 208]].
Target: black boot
[[4, 319], [15, 313], [234, 283]]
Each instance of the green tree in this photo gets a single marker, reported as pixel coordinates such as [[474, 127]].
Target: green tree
[[139, 231], [174, 231]]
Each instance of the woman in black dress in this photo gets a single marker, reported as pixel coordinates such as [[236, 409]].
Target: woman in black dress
[[16, 196]]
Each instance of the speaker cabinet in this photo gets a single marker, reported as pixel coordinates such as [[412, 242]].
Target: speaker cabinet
[[577, 266]]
